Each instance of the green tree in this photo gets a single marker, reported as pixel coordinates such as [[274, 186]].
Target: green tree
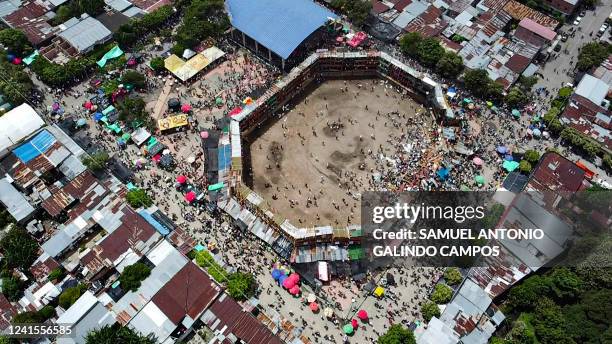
[[477, 81], [516, 97], [549, 323], [409, 43], [565, 284], [5, 218], [525, 295], [132, 77], [117, 334], [532, 156], [12, 288], [430, 52], [452, 276], [70, 295], [138, 198], [527, 82], [133, 275], [356, 10], [157, 64], [397, 334], [132, 110], [96, 161], [241, 286], [429, 310], [525, 167], [44, 314], [15, 41], [592, 55], [16, 85], [521, 334], [19, 249], [441, 294], [56, 274], [450, 65]]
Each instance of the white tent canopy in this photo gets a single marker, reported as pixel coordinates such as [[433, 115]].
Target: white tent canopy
[[18, 124]]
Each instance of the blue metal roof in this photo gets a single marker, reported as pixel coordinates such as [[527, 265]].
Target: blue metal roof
[[38, 145], [279, 25]]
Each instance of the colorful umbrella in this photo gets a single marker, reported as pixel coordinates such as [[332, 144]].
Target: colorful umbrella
[[204, 134], [16, 61], [295, 277], [502, 149], [190, 196], [282, 279], [516, 113], [235, 111], [362, 314], [508, 157], [477, 161], [276, 274], [311, 297], [314, 306], [510, 165], [479, 180], [81, 122], [537, 132], [348, 329], [289, 283], [295, 290], [88, 105], [328, 312], [354, 323], [186, 108], [181, 179]]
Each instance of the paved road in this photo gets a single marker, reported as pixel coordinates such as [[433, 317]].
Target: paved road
[[559, 69]]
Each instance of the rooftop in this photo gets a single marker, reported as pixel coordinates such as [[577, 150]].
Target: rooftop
[[18, 124], [537, 28], [592, 88], [278, 25], [85, 33]]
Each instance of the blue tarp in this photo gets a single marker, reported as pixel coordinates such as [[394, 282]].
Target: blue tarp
[[153, 222], [225, 157], [199, 248], [278, 25], [35, 147], [97, 116], [443, 173]]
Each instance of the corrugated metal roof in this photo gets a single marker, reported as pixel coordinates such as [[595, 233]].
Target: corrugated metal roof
[[15, 202], [85, 34], [277, 24], [18, 124], [593, 89]]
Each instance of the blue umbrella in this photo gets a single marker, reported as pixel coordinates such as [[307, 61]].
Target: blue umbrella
[[81, 122], [502, 149], [276, 274], [282, 279], [97, 116], [443, 173], [508, 157], [537, 132]]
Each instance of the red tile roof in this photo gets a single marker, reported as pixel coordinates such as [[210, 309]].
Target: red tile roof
[[556, 173], [42, 269], [379, 7], [189, 292], [7, 312], [29, 19], [517, 63], [400, 5], [239, 322]]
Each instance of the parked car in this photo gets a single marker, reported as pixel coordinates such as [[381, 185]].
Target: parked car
[[577, 21], [564, 38], [603, 29]]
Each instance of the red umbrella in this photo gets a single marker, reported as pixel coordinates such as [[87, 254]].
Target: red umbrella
[[362, 314], [314, 306], [204, 134], [186, 108], [235, 111], [181, 179], [295, 290], [88, 105], [295, 277], [190, 196], [354, 323], [288, 283], [17, 61], [156, 158]]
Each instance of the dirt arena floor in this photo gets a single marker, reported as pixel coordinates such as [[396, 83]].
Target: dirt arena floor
[[312, 164]]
